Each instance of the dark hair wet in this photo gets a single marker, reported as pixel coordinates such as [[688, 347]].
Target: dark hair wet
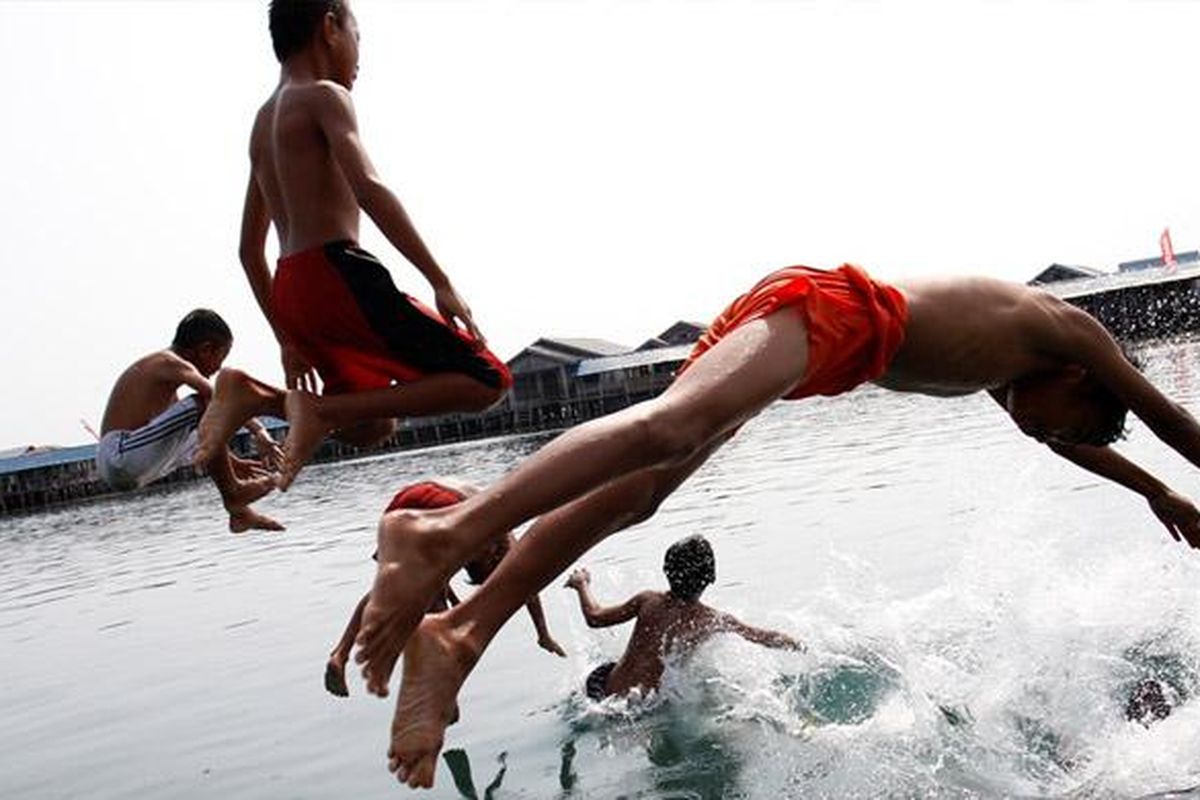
[[690, 567], [293, 23], [200, 327]]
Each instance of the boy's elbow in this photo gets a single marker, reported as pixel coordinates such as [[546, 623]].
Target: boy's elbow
[[592, 622]]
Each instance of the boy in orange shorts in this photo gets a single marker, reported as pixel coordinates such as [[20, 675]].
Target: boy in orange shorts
[[800, 331], [333, 307]]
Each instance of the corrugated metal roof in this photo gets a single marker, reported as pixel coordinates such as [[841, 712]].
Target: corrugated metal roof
[[638, 358], [1121, 280]]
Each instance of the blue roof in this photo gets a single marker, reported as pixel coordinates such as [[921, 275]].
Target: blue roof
[[638, 358], [47, 458]]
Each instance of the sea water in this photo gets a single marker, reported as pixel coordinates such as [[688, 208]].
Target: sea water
[[976, 610]]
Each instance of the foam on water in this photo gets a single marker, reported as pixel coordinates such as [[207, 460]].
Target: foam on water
[[1010, 679]]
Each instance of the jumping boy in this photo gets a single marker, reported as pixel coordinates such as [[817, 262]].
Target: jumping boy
[[148, 431], [800, 331], [333, 307], [674, 622], [438, 494]]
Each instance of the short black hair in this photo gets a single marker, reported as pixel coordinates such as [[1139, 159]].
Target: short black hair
[[293, 23], [690, 567], [201, 326]]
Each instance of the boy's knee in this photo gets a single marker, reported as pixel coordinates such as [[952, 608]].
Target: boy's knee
[[484, 396]]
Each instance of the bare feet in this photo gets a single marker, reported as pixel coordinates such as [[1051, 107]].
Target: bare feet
[[415, 561], [335, 676], [244, 519], [436, 662], [244, 492], [236, 398], [306, 431]]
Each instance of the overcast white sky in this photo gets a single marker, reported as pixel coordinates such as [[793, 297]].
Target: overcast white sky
[[580, 168]]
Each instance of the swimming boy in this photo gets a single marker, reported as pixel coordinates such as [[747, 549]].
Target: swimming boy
[[333, 307], [148, 431], [438, 494], [1054, 369], [673, 622]]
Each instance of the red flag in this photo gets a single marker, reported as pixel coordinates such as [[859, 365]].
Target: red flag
[[1168, 252]]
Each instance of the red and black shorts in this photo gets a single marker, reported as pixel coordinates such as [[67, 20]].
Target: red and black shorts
[[337, 305]]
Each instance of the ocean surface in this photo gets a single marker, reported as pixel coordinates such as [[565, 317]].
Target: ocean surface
[[977, 613]]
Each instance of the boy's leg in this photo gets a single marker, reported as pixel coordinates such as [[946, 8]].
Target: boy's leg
[[335, 668], [752, 366], [445, 647], [236, 398], [312, 417]]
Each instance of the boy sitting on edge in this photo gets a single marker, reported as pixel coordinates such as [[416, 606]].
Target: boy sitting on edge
[[672, 622], [332, 305], [148, 432], [437, 494], [798, 332]]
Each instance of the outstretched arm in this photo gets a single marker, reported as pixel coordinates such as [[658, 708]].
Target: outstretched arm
[[335, 114], [1177, 513], [545, 640], [767, 638], [596, 615], [1076, 336]]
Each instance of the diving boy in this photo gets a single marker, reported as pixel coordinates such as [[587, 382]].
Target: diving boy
[[799, 332], [332, 306], [438, 494], [674, 622], [148, 431]]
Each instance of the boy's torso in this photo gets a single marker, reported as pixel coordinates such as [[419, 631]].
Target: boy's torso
[[138, 395], [664, 625], [309, 199], [969, 334]]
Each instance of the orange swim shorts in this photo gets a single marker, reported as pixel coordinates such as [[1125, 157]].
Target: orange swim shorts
[[855, 324]]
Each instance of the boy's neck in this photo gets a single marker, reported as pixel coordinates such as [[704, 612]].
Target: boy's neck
[[307, 66]]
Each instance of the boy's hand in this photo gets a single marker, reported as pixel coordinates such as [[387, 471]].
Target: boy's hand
[[297, 372], [1180, 517], [454, 311], [578, 579], [548, 644], [268, 449]]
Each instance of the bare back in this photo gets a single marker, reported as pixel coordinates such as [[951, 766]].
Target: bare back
[[664, 625], [140, 393], [309, 199], [969, 334]]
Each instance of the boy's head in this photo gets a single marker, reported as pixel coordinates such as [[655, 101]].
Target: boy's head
[[328, 25], [1068, 406], [690, 567], [204, 339]]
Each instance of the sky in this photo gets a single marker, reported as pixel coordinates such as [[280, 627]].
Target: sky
[[579, 168]]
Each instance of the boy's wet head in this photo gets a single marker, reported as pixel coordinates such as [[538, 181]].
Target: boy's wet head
[[295, 23], [690, 567], [1068, 406], [204, 339]]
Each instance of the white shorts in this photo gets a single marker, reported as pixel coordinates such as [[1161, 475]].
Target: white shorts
[[131, 459]]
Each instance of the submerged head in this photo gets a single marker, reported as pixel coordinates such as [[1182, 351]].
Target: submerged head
[[690, 567], [204, 339], [1067, 406], [327, 29], [1147, 703]]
